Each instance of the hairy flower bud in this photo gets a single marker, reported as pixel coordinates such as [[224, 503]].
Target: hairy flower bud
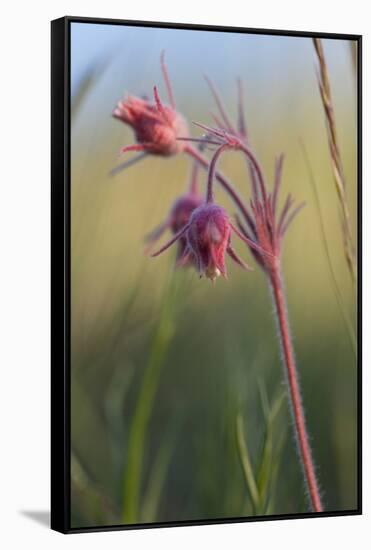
[[156, 126], [208, 238]]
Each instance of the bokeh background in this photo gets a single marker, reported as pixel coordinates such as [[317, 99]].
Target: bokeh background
[[174, 380]]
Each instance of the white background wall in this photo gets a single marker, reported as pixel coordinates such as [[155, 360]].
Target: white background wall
[[25, 285]]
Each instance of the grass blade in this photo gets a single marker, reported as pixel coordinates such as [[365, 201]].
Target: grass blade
[[156, 482], [142, 414], [246, 464]]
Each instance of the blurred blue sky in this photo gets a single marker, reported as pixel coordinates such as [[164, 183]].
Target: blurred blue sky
[[133, 53]]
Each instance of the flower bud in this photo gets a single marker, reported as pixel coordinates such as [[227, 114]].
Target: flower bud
[[208, 238], [156, 126], [204, 240]]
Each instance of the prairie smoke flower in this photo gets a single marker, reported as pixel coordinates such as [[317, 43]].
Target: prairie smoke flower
[[207, 238], [156, 126]]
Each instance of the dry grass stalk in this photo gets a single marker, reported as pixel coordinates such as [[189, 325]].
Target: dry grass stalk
[[354, 54], [337, 167]]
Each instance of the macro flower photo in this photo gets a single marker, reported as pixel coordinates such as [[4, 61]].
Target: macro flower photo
[[214, 192]]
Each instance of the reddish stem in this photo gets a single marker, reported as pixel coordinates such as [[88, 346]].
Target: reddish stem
[[193, 183], [210, 178], [252, 158], [292, 377], [204, 162]]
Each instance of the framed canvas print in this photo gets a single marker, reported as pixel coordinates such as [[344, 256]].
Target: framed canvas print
[[206, 215]]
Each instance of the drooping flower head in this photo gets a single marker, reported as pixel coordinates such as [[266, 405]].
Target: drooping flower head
[[208, 239], [207, 234], [156, 126]]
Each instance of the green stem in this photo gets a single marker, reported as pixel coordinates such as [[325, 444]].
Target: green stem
[[246, 464]]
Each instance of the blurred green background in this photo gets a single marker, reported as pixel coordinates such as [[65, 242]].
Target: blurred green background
[[174, 381]]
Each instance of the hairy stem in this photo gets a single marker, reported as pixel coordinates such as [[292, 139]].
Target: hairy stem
[[204, 162], [294, 387], [257, 170], [210, 178]]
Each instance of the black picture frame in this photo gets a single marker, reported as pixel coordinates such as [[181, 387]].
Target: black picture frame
[[61, 264]]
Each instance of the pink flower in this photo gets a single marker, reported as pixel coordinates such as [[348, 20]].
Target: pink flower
[[208, 238], [156, 126]]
